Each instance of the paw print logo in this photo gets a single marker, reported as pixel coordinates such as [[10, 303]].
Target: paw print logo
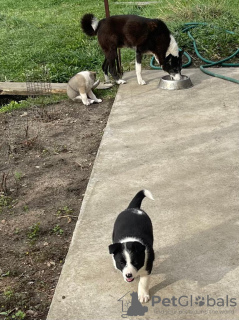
[[200, 301], [127, 304]]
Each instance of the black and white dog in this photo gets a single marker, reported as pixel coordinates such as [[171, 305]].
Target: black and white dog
[[132, 246], [143, 34]]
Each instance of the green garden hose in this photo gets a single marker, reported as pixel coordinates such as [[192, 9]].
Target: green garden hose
[[221, 63]]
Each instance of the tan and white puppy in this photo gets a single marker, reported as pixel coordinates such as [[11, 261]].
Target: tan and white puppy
[[80, 87]]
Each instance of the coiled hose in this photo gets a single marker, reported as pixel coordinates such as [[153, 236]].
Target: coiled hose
[[187, 28]]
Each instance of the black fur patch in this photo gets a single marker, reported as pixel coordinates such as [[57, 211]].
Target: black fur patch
[[86, 24]]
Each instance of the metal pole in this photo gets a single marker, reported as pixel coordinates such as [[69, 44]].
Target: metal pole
[[118, 59]]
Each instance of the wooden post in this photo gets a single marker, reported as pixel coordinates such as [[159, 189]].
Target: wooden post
[[107, 10]]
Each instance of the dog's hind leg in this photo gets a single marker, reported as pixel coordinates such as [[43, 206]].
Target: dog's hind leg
[[105, 68], [138, 60], [143, 289], [111, 58]]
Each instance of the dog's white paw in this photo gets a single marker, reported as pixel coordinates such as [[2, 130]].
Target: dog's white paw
[[143, 297], [88, 102], [99, 100], [120, 81], [142, 82]]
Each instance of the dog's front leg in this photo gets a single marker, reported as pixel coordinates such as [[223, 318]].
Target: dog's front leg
[[138, 68], [85, 102], [85, 99], [93, 97], [143, 289]]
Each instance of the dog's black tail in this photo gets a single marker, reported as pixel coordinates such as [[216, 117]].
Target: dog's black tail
[[89, 24], [137, 200]]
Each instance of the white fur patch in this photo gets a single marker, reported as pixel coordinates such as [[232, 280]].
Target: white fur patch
[[156, 59], [148, 194], [94, 23], [173, 47], [130, 239], [107, 79], [114, 263], [177, 76], [138, 73], [120, 81], [137, 211], [143, 289], [129, 268]]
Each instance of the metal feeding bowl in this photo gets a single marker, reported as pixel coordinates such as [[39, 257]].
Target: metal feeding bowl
[[167, 83]]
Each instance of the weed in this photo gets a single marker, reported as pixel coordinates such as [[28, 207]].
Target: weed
[[64, 211], [5, 202], [18, 176], [19, 315], [57, 230], [5, 274], [33, 234], [16, 231], [8, 293], [45, 152]]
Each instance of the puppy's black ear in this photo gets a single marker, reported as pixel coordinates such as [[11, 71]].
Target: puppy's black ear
[[115, 247]]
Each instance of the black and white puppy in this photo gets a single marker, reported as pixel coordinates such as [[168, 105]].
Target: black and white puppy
[[140, 33], [132, 246]]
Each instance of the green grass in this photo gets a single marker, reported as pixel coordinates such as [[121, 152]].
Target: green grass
[[47, 32], [29, 102]]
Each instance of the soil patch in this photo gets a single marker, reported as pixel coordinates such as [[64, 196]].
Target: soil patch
[[46, 159]]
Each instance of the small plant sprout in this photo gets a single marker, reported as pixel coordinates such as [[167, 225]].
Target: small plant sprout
[[57, 230], [19, 315], [65, 211], [5, 202], [18, 175], [34, 231]]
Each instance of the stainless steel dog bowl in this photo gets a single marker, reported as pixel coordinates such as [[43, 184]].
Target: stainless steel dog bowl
[[167, 83]]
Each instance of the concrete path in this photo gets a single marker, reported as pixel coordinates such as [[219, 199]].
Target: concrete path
[[184, 147]]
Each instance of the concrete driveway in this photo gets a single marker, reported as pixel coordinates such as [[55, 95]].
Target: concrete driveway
[[184, 147]]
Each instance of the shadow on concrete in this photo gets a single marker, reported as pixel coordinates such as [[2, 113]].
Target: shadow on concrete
[[206, 258]]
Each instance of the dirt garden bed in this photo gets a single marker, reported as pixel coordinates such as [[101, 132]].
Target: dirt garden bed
[[46, 159]]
